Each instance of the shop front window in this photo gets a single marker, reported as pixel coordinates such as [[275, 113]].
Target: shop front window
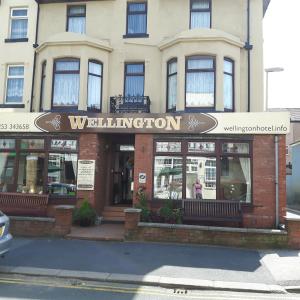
[[30, 175], [62, 173], [168, 177], [7, 165]]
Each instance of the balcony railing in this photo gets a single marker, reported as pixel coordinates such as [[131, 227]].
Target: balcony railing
[[130, 104]]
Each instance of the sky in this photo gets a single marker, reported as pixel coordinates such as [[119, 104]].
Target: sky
[[282, 49]]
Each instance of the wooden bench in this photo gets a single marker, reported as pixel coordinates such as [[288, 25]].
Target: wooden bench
[[17, 204], [214, 210]]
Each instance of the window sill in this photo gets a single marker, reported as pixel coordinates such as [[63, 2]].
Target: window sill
[[12, 105], [137, 35], [23, 40]]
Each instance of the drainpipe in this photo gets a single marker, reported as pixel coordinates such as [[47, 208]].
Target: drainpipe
[[248, 47], [35, 45], [276, 183]]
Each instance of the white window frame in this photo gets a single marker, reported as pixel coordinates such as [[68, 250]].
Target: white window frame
[[17, 18], [18, 77]]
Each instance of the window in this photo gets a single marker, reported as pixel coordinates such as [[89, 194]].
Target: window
[[200, 14], [14, 85], [42, 90], [213, 167], [200, 82], [66, 83], [136, 19], [18, 23], [172, 85], [228, 85], [94, 86], [134, 79], [76, 19], [7, 166]]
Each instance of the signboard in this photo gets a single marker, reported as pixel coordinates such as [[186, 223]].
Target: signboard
[[142, 177], [191, 123], [86, 175]]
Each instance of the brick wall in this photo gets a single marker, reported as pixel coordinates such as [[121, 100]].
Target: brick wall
[[262, 214]]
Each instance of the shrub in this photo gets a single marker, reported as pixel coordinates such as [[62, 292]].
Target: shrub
[[85, 215], [145, 211], [170, 214]]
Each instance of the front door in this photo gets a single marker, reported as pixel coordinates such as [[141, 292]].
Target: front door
[[122, 172]]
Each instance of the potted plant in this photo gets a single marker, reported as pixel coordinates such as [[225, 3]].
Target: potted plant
[[85, 215]]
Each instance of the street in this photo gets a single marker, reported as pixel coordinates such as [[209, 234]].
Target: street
[[20, 287]]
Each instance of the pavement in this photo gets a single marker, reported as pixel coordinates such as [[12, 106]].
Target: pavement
[[156, 264]]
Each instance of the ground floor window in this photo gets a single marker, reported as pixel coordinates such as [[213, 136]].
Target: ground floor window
[[203, 170], [39, 165]]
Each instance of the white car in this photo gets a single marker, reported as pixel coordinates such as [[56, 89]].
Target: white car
[[5, 236]]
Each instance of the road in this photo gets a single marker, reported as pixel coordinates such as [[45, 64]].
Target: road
[[21, 287]]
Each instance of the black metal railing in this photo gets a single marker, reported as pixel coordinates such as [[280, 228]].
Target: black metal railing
[[130, 104]]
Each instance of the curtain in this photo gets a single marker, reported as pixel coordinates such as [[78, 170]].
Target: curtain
[[14, 90], [66, 90], [228, 91], [200, 88], [94, 92], [134, 86], [172, 91], [200, 20], [76, 24], [200, 4], [74, 164], [18, 28], [245, 165], [200, 63], [137, 23]]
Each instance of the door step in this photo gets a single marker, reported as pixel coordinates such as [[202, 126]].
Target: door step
[[113, 214]]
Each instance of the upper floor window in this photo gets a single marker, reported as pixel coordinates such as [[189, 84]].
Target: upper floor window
[[134, 79], [18, 23], [200, 14], [43, 79], [66, 82], [172, 85], [136, 19], [200, 82], [15, 84], [94, 86], [228, 84], [76, 19]]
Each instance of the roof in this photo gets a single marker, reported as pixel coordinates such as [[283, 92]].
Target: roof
[[266, 4], [294, 112]]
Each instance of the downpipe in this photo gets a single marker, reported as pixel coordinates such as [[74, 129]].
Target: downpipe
[[276, 182]]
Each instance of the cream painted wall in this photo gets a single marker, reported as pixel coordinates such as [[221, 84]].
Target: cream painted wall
[[169, 36], [17, 53]]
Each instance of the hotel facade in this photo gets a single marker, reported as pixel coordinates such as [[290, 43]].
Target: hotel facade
[[102, 98]]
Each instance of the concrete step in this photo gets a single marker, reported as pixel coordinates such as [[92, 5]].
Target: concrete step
[[113, 219], [115, 208], [113, 214]]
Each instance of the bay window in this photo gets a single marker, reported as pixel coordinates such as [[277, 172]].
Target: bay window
[[94, 86], [228, 85], [200, 16], [66, 83], [200, 82], [171, 85], [134, 79]]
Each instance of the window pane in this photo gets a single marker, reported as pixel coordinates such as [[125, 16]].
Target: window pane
[[228, 66], [137, 24], [14, 92], [19, 12], [64, 144], [32, 144], [66, 90], [172, 91], [135, 68], [67, 65], [228, 91], [95, 68], [76, 10], [7, 143], [76, 25], [200, 89], [16, 71], [18, 28], [200, 20], [30, 176], [168, 177], [168, 147], [136, 7], [201, 147], [242, 148], [7, 166], [134, 86], [235, 180], [200, 4], [172, 67], [200, 63], [200, 178], [62, 174], [94, 92]]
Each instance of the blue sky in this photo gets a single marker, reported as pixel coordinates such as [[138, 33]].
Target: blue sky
[[282, 49]]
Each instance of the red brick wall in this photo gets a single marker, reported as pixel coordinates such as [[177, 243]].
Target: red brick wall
[[262, 214], [143, 162]]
